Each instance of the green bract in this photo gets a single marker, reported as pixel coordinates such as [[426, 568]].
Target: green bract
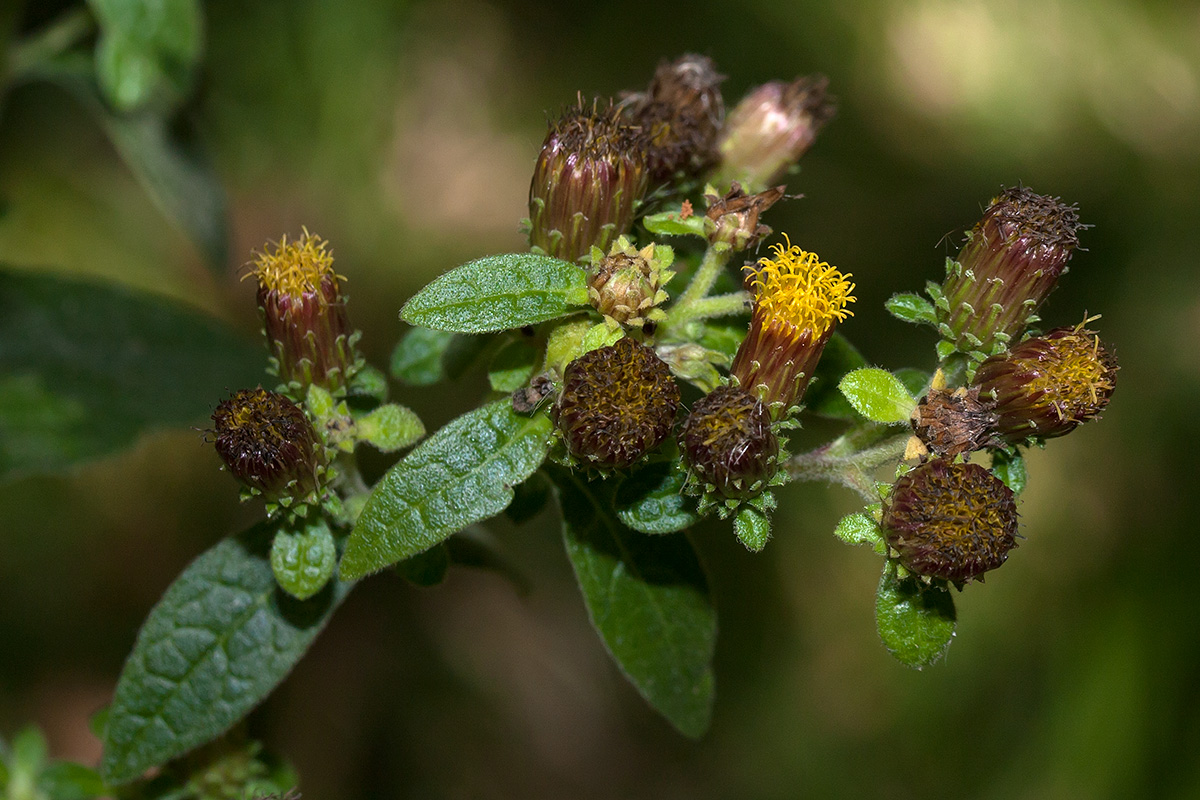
[[878, 395]]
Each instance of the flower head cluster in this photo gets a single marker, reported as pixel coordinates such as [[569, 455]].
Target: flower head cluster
[[304, 315], [798, 300]]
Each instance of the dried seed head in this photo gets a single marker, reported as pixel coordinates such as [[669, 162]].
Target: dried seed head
[[268, 443], [1011, 262], [728, 443], [589, 178], [304, 315], [950, 521], [1047, 385], [770, 129], [953, 421], [617, 404]]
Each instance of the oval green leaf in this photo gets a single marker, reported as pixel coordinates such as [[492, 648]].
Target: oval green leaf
[[648, 599], [220, 639], [912, 308], [499, 293], [303, 560], [916, 622], [651, 500], [753, 528], [878, 395], [859, 529], [462, 474], [148, 50]]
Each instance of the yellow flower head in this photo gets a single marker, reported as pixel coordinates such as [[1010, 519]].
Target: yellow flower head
[[295, 268], [800, 289]]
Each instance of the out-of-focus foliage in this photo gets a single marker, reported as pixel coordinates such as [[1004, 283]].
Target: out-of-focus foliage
[[406, 133]]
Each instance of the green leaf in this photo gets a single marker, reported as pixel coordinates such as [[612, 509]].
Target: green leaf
[[499, 293], [915, 621], [462, 474], [670, 223], [417, 359], [147, 51], [878, 395], [390, 427], [220, 639], [651, 500], [428, 568], [303, 561], [513, 366], [859, 529], [85, 368], [63, 780], [912, 308], [915, 380], [648, 599], [529, 498], [822, 397], [753, 528], [1009, 466]]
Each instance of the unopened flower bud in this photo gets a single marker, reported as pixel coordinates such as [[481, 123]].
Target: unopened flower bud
[[681, 115], [617, 403], [768, 131], [304, 315], [798, 300], [626, 285], [736, 215], [269, 444], [1011, 262], [950, 521], [1047, 385], [953, 421], [590, 176], [728, 443]]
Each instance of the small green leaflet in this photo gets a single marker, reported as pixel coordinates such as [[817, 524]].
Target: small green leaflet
[[915, 622], [1009, 466], [878, 395], [220, 639], [753, 528], [303, 560], [651, 500], [859, 528], [499, 293], [912, 308], [648, 599], [462, 474]]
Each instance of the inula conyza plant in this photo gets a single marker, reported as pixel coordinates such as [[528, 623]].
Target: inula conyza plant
[[651, 356]]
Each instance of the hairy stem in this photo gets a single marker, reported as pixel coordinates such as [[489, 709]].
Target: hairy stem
[[852, 459]]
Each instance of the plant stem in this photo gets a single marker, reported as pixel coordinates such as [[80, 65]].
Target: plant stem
[[694, 303], [715, 259], [852, 459]]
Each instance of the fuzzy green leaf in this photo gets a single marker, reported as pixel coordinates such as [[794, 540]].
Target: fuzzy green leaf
[[220, 639], [671, 223], [147, 51], [858, 529], [912, 308], [499, 293], [823, 398], [648, 599], [417, 358], [651, 500], [878, 395], [753, 528], [513, 366], [85, 368], [462, 474], [1009, 466], [916, 622], [303, 560], [390, 427]]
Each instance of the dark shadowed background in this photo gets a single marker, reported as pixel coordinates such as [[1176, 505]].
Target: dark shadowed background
[[405, 134]]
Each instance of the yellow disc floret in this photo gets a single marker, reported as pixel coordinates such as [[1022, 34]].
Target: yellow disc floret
[[295, 268], [798, 288]]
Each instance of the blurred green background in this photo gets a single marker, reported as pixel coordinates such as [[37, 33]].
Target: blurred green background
[[405, 133]]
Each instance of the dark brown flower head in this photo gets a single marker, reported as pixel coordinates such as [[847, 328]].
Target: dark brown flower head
[[950, 521], [617, 404], [770, 129], [798, 300], [736, 216], [590, 176], [304, 315], [728, 443], [681, 114], [268, 443], [1011, 262], [626, 285], [953, 421], [1047, 385]]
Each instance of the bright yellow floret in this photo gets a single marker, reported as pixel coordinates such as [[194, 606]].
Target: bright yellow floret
[[799, 288], [295, 268]]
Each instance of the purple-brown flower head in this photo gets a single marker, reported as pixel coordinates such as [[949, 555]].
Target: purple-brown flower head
[[736, 215], [798, 300], [588, 181], [304, 315], [617, 403], [269, 444], [950, 521], [728, 443], [1011, 262], [681, 114], [626, 285], [1047, 385], [768, 131], [953, 421]]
